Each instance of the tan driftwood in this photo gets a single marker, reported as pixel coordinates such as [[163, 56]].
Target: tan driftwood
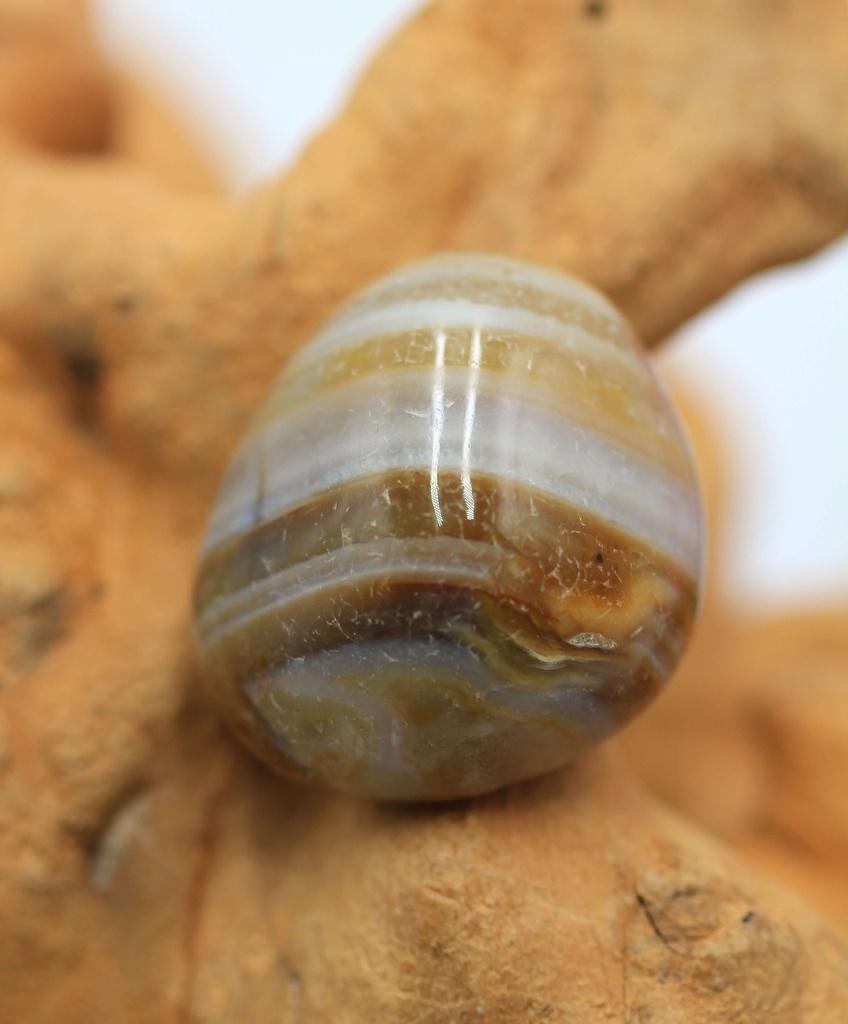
[[663, 152], [54, 90], [149, 871]]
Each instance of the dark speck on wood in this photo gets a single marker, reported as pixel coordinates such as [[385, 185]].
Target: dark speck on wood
[[595, 9]]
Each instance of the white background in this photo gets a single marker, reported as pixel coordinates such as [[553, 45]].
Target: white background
[[257, 78]]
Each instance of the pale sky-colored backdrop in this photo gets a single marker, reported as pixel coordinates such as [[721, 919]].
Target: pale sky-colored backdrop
[[257, 78]]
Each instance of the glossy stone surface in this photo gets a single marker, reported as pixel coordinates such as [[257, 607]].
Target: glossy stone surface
[[460, 542]]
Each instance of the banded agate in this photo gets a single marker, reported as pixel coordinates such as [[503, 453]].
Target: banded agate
[[460, 542]]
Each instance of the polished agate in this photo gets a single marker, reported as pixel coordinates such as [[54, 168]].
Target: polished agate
[[460, 542]]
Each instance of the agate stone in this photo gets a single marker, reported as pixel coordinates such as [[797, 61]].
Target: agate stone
[[460, 542]]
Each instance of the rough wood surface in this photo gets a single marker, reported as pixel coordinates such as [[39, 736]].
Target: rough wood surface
[[662, 152], [148, 870]]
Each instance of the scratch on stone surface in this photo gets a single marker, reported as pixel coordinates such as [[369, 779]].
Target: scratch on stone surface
[[207, 847]]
